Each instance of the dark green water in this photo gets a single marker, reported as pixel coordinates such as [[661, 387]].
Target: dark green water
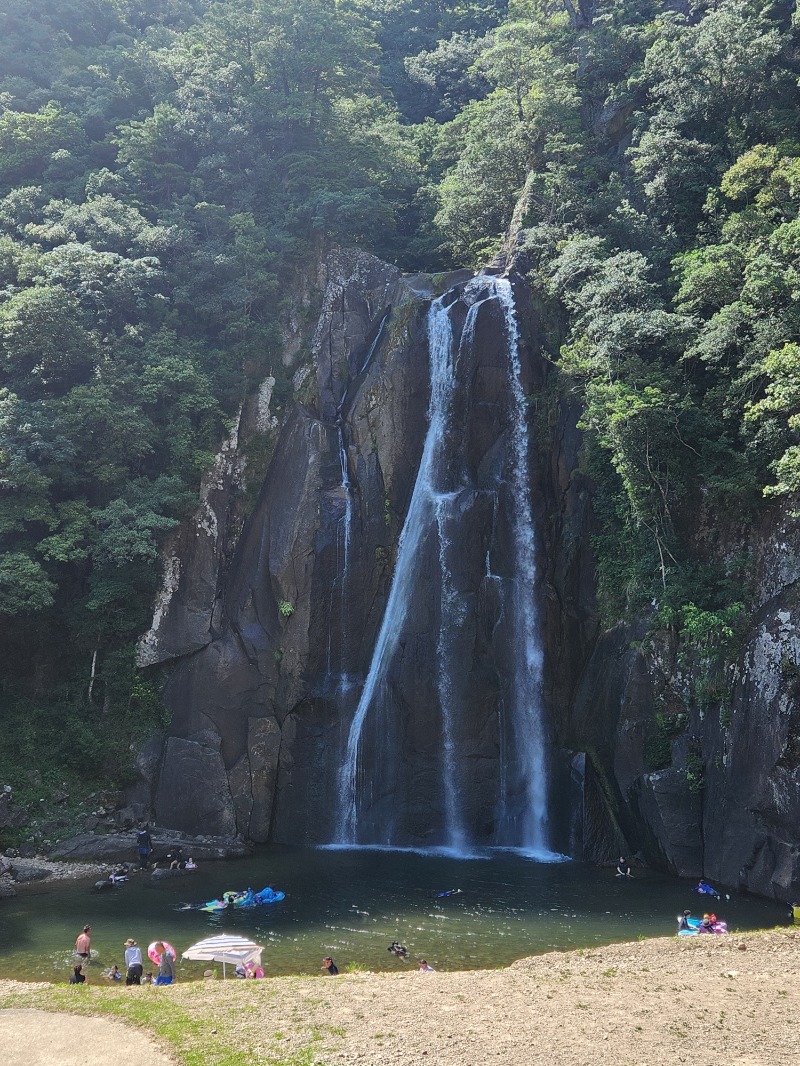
[[352, 904]]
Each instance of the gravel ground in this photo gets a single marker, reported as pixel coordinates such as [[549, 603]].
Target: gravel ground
[[706, 1001]]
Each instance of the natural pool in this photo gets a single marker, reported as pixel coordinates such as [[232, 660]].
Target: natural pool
[[351, 904]]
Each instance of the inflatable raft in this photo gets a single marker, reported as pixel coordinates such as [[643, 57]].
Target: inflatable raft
[[694, 927], [246, 899]]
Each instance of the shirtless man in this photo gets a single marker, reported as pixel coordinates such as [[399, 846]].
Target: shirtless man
[[83, 945]]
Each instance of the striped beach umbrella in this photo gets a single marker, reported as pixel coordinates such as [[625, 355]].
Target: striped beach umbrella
[[225, 949]]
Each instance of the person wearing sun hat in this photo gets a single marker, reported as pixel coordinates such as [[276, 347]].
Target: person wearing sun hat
[[133, 960]]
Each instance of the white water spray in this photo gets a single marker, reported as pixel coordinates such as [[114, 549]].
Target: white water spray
[[440, 340], [451, 617], [523, 736], [347, 488], [528, 711]]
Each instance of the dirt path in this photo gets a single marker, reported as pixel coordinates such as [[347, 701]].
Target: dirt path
[[708, 1001], [38, 1038]]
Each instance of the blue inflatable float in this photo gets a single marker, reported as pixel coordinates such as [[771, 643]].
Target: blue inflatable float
[[248, 898], [695, 929]]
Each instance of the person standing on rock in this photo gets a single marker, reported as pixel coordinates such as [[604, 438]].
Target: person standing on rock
[[83, 944], [133, 961], [145, 846]]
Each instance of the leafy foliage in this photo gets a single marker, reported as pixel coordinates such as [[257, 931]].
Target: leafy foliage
[[165, 165], [162, 166], [654, 156]]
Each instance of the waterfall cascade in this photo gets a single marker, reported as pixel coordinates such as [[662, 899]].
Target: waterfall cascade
[[338, 672], [440, 342], [522, 794], [347, 488], [451, 615], [527, 718]]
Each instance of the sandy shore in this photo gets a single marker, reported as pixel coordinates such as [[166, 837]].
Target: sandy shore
[[709, 1001]]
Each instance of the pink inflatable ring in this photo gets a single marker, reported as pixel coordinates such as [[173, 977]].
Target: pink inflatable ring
[[155, 957]]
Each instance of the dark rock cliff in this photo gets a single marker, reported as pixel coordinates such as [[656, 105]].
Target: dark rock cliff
[[728, 804], [267, 643]]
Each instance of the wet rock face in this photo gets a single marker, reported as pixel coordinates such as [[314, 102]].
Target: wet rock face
[[753, 769], [182, 621], [728, 806], [193, 789], [261, 710], [255, 730]]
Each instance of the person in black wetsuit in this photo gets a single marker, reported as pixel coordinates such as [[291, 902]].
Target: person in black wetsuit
[[144, 845], [683, 921], [330, 966], [623, 867], [78, 976]]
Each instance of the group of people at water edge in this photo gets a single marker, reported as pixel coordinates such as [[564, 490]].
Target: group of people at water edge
[[164, 957], [161, 954]]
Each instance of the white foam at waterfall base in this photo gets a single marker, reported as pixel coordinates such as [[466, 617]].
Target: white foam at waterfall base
[[536, 854], [460, 853], [432, 851]]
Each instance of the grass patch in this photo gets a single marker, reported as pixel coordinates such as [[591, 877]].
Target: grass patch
[[195, 1034]]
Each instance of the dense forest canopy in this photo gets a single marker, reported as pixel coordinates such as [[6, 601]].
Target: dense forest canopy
[[167, 166]]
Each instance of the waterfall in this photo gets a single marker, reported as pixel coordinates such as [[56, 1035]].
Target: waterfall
[[376, 342], [338, 672], [522, 789], [452, 613], [347, 488], [450, 619], [440, 341], [527, 713]]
